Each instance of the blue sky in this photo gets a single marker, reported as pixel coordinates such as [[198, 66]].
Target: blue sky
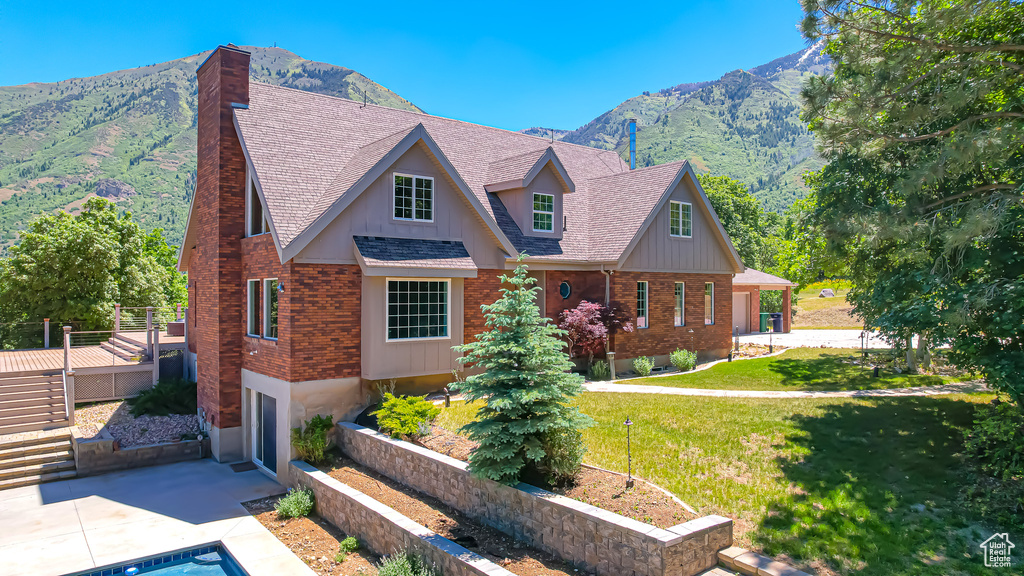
[[506, 64]]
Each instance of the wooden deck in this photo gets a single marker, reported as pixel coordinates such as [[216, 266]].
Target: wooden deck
[[81, 356]]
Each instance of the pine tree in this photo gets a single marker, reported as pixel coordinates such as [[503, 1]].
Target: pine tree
[[526, 387]]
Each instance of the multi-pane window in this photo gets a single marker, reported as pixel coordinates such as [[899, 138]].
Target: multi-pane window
[[270, 308], [680, 216], [543, 212], [680, 318], [414, 198], [252, 325], [257, 221], [641, 305], [709, 303], [417, 309]]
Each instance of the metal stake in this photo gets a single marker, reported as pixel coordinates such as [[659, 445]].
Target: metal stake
[[629, 455]]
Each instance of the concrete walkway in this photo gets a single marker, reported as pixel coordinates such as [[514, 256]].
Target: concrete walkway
[[74, 525], [955, 388]]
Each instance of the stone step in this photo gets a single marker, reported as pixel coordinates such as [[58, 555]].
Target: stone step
[[34, 438], [37, 469], [41, 424], [34, 479], [47, 446], [10, 461]]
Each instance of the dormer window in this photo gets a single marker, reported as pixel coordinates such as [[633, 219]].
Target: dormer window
[[543, 212], [414, 198], [256, 222], [680, 216]]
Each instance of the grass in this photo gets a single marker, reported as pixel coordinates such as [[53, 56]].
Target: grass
[[795, 369], [854, 485], [817, 313]]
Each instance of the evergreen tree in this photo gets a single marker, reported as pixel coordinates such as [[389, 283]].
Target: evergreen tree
[[526, 386]]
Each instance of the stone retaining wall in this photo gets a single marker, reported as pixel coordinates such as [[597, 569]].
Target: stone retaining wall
[[98, 455], [384, 530], [587, 536]]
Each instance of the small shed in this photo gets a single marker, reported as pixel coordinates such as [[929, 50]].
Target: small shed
[[746, 299]]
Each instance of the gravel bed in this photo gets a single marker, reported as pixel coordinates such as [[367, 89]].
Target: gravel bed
[[116, 418]]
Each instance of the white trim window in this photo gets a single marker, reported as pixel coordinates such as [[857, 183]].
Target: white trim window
[[255, 218], [413, 198], [418, 309], [709, 303], [252, 324], [680, 219], [680, 295], [270, 308], [642, 308], [543, 212]]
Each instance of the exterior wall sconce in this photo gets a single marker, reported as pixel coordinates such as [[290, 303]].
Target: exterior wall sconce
[[629, 454]]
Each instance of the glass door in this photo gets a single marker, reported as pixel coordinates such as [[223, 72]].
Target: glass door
[[264, 431]]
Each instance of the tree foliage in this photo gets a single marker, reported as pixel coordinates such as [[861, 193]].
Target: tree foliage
[[74, 268], [588, 326], [922, 122], [526, 387], [751, 228]]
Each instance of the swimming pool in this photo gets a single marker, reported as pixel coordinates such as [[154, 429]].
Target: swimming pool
[[210, 560]]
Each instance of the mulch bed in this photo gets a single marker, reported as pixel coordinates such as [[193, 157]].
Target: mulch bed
[[116, 418], [600, 488], [487, 542], [313, 539]]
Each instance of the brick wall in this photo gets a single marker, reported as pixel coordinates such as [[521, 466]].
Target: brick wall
[[476, 292], [585, 285], [662, 336], [219, 221]]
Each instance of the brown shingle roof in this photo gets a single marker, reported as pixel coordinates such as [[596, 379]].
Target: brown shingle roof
[[309, 150], [756, 277]]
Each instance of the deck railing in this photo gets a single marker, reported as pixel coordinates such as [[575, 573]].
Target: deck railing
[[131, 369]]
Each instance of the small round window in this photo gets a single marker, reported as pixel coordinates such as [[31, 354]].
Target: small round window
[[564, 289]]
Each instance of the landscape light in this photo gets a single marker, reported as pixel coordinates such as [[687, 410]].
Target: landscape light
[[629, 454]]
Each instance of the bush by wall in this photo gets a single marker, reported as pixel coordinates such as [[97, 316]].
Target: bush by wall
[[405, 416], [296, 504], [312, 441], [683, 359], [643, 365]]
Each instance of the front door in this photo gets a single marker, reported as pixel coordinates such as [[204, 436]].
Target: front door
[[264, 431]]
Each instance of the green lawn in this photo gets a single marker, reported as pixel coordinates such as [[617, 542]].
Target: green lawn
[[834, 484], [795, 369]]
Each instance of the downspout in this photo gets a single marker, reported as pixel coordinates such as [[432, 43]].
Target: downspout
[[607, 286]]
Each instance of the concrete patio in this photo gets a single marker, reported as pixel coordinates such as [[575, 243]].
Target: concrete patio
[[70, 526]]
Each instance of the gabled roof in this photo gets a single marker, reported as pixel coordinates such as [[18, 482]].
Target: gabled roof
[[313, 154], [519, 171]]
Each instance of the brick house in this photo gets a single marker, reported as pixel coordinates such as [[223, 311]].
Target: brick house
[[333, 244]]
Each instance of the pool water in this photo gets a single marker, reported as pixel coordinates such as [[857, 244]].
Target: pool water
[[206, 561]]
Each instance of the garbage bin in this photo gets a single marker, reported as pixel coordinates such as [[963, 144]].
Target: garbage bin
[[764, 321], [777, 321]]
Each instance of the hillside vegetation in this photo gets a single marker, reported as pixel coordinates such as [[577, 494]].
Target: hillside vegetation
[[745, 125], [130, 136]]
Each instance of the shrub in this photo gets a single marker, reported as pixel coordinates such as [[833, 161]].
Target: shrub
[[313, 441], [296, 504], [169, 396], [404, 564], [684, 359], [564, 449], [996, 442], [643, 365], [599, 370], [401, 416], [346, 547]]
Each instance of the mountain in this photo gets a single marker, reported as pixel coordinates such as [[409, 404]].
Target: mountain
[[131, 136], [745, 125]]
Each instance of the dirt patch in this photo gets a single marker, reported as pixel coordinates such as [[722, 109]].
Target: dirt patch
[[601, 488], [487, 542], [314, 540], [749, 350], [840, 316]]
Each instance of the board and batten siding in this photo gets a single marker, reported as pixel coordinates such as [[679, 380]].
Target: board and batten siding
[[519, 202], [372, 214], [406, 358], [703, 252]]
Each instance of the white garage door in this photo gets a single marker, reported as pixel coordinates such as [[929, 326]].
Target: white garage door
[[741, 311]]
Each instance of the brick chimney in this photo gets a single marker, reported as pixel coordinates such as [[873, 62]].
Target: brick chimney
[[216, 267]]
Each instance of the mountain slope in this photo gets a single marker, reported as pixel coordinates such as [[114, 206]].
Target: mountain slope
[[745, 125], [130, 136]]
